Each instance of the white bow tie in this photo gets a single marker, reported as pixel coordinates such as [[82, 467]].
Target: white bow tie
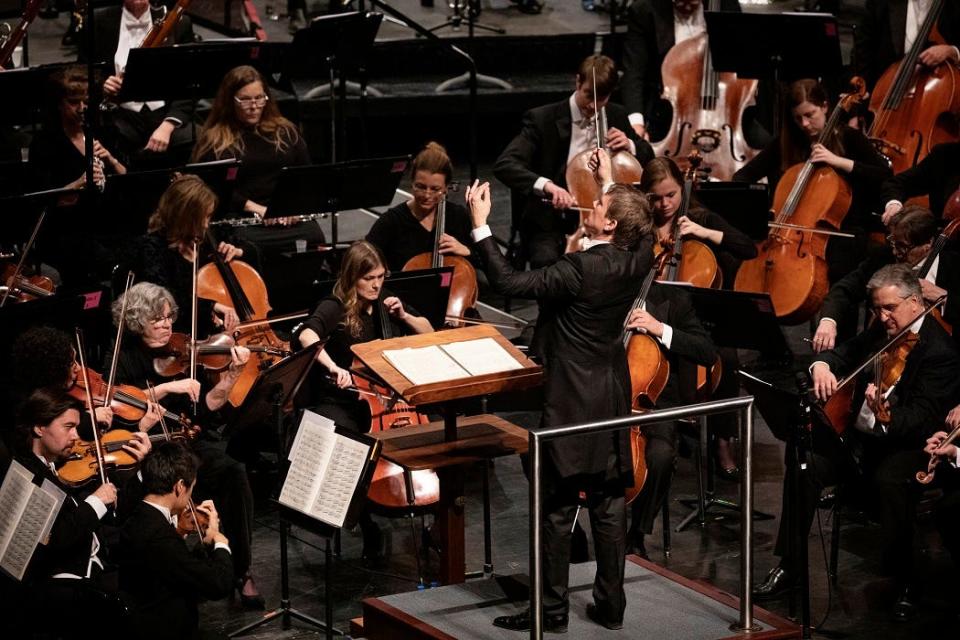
[[132, 24]]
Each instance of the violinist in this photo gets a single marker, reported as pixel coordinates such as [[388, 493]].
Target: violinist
[[150, 316], [888, 28], [653, 28], [406, 229], [912, 234], [670, 318], [947, 513], [585, 297], [148, 132], [245, 123], [847, 151], [936, 176], [662, 181], [359, 310], [534, 164], [882, 450], [164, 256], [67, 574], [161, 580]]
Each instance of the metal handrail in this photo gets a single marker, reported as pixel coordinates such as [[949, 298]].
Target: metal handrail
[[744, 408]]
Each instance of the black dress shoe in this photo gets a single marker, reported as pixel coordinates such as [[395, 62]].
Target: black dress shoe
[[552, 622], [594, 614], [905, 608], [777, 582], [249, 603]]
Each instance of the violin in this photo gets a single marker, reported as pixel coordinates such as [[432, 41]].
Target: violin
[[888, 365], [708, 108], [127, 401], [810, 200], [213, 354], [915, 107], [463, 287], [581, 182], [24, 288], [238, 285], [926, 477], [391, 487]]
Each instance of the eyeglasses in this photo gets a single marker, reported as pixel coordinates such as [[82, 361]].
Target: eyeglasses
[[899, 247], [159, 320], [255, 101], [889, 309]]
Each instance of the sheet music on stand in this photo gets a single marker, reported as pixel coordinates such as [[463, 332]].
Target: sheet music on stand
[[440, 363], [330, 471], [27, 513]]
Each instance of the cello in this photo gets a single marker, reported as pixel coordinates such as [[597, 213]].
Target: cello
[[649, 372], [810, 204], [236, 284], [708, 108], [581, 182], [463, 286], [916, 107]]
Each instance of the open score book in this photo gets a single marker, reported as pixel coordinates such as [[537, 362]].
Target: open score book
[[453, 361]]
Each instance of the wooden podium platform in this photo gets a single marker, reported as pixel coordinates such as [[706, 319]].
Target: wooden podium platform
[[660, 605], [448, 445]]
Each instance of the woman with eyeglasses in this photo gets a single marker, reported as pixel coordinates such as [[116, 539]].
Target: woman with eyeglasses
[[246, 124], [407, 229]]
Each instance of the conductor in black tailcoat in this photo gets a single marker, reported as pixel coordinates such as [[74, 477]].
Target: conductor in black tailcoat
[[534, 164], [584, 297]]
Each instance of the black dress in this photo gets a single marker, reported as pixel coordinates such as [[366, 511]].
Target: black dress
[[870, 169], [322, 396], [400, 236]]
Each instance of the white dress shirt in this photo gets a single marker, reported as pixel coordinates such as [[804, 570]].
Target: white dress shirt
[[132, 32]]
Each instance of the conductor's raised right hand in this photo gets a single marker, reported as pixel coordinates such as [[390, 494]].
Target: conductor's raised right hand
[[601, 166]]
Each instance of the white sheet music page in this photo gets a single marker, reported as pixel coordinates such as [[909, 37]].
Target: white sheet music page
[[27, 513], [311, 452], [340, 481], [481, 356], [423, 365]]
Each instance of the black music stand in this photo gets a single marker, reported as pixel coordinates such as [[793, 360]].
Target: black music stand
[[781, 47], [31, 88], [130, 199], [746, 206], [331, 188], [271, 397], [338, 44]]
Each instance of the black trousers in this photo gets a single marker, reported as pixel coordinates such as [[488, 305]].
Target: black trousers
[[608, 522], [882, 473], [661, 458], [131, 130]]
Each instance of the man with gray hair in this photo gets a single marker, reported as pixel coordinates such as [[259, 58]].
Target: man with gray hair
[[883, 448]]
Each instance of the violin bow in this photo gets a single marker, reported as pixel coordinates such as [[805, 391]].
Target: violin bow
[[23, 258], [193, 323], [111, 378], [596, 112], [101, 470]]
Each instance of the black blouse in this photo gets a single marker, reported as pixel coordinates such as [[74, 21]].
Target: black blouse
[[400, 235], [260, 166]]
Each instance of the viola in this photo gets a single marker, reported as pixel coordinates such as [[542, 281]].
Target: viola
[[213, 354], [81, 465], [708, 108], [192, 520], [916, 107], [791, 263], [238, 285], [463, 287], [127, 401]]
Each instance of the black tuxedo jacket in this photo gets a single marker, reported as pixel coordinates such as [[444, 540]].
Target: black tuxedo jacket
[[927, 390], [161, 580], [649, 37], [541, 149], [879, 40], [107, 38], [937, 175], [850, 291], [584, 297], [71, 537], [691, 344]]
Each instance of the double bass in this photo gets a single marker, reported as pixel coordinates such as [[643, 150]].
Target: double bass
[[463, 286], [810, 204], [708, 108], [916, 107]]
